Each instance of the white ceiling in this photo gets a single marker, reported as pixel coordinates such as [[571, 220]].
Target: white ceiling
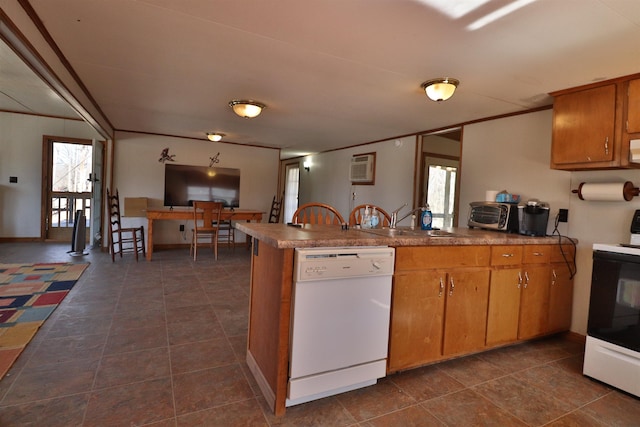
[[333, 73]]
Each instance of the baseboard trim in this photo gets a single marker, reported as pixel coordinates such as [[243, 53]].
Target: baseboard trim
[[21, 240], [575, 337], [263, 384]]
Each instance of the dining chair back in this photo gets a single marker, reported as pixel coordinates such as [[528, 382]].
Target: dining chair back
[[206, 226], [317, 213], [355, 217], [122, 239], [276, 210]]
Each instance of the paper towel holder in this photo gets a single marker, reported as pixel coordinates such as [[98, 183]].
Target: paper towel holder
[[629, 191]]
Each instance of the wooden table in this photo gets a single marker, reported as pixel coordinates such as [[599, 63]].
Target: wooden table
[[154, 214]]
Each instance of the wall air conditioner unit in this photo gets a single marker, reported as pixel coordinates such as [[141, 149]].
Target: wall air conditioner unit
[[362, 168]]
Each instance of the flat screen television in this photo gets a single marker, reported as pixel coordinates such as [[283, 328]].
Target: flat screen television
[[183, 184]]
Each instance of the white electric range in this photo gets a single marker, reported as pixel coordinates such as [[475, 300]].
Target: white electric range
[[612, 352]]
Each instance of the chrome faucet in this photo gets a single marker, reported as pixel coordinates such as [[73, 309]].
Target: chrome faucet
[[418, 209], [394, 217]]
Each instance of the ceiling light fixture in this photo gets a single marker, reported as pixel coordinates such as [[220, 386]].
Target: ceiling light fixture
[[246, 108], [440, 89], [215, 136]]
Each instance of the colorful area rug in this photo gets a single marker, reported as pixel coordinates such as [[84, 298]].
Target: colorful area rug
[[28, 295]]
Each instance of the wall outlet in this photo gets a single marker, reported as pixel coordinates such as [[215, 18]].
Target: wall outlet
[[563, 215], [181, 227]]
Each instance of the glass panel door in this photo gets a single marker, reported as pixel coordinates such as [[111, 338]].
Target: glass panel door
[[70, 188], [291, 185], [441, 175]]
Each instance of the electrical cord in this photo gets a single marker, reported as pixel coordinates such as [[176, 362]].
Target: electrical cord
[[573, 269]]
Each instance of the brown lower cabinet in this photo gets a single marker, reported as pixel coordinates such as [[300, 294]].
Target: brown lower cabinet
[[417, 319], [439, 301], [504, 306], [560, 290], [450, 301]]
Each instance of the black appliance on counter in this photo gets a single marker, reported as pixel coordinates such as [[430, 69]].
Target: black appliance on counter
[[533, 218]]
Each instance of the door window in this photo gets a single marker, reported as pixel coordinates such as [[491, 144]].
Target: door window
[[441, 190], [291, 186], [70, 189]]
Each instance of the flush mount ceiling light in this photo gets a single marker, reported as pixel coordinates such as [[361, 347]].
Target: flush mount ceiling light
[[440, 89], [215, 136], [247, 109]]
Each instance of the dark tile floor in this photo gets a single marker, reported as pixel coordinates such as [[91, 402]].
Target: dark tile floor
[[162, 344]]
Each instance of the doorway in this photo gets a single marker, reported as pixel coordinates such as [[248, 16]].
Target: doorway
[[68, 180], [439, 183]]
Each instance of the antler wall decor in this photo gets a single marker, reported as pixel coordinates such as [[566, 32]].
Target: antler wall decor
[[165, 156]]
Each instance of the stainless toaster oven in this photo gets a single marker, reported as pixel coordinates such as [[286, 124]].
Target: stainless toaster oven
[[494, 216]]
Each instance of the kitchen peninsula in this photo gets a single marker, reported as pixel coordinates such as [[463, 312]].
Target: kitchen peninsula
[[455, 292]]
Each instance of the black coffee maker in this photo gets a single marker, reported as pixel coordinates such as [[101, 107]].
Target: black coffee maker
[[533, 218]]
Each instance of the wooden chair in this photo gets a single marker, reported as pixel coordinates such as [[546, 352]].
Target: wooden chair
[[205, 228], [276, 210], [355, 217], [228, 232], [123, 239], [317, 213]]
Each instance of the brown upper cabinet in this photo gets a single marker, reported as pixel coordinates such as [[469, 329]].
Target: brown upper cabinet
[[633, 107], [593, 124]]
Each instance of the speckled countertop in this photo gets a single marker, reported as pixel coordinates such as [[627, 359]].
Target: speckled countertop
[[283, 236]]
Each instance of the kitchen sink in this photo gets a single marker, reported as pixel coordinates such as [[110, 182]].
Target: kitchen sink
[[408, 232]]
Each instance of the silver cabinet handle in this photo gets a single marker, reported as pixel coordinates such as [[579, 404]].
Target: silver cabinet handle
[[606, 146], [526, 279], [451, 286], [538, 253], [519, 279], [507, 255], [555, 276], [441, 287]]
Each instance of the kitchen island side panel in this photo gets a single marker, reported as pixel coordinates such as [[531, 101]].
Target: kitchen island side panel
[[270, 307]]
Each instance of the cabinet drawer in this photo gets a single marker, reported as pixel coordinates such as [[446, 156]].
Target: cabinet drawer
[[536, 254], [420, 257], [506, 255], [568, 250]]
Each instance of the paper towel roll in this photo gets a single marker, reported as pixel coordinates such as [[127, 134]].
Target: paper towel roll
[[490, 195], [619, 191]]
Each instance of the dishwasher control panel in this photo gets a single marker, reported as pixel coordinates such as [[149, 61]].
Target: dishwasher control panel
[[334, 263]]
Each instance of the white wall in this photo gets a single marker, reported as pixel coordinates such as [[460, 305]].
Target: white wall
[[21, 156], [597, 222], [327, 181], [512, 154], [138, 173]]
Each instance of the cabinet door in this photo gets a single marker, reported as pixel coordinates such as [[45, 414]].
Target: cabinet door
[[466, 311], [534, 301], [416, 319], [560, 298], [504, 306], [583, 126], [633, 107]]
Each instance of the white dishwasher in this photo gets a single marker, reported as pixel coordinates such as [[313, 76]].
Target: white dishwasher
[[339, 321]]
